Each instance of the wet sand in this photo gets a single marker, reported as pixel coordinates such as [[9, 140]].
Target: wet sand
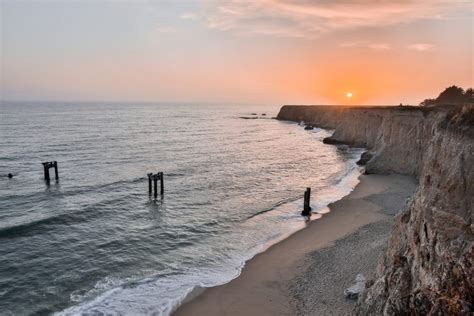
[[307, 273]]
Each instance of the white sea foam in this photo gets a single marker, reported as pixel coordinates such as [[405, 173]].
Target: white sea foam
[[232, 189], [162, 294]]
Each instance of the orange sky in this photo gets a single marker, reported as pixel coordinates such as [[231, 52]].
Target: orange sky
[[269, 51]]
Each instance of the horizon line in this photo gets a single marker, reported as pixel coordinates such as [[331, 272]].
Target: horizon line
[[200, 103]]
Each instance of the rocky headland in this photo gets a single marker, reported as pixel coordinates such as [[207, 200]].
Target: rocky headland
[[428, 267]]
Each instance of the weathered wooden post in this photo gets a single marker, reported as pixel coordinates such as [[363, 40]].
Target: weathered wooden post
[[56, 170], [308, 199], [155, 182], [46, 170], [306, 205], [149, 182], [162, 187]]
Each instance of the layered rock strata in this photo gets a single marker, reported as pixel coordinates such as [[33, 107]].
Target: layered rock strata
[[428, 268]]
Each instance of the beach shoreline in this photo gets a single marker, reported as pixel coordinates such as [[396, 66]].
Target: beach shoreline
[[283, 279]]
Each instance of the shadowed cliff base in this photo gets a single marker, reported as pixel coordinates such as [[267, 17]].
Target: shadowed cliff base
[[428, 266]]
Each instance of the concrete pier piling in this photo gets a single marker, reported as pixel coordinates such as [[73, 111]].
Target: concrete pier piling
[[150, 190], [56, 174], [46, 166], [306, 205], [154, 189], [155, 182], [162, 187]]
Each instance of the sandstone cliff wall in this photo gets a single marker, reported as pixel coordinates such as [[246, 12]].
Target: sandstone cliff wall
[[429, 264]]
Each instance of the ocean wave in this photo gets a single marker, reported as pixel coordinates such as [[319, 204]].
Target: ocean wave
[[162, 294], [273, 207], [233, 188]]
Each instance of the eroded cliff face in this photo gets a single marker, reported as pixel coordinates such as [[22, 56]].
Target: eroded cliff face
[[429, 264], [395, 135]]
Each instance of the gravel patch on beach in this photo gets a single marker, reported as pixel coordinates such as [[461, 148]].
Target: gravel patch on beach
[[319, 290]]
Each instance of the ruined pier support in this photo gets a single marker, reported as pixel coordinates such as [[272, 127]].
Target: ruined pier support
[[306, 205], [50, 164], [154, 189]]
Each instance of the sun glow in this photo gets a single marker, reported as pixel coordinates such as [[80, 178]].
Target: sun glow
[[349, 95]]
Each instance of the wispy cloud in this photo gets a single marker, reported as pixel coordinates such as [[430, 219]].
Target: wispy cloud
[[367, 44], [421, 47], [380, 46], [310, 18], [354, 44]]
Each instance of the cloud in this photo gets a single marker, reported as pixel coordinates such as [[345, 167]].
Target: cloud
[[353, 44], [307, 18], [380, 46], [421, 47], [367, 44]]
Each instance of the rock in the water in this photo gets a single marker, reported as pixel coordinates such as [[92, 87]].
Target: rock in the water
[[354, 291], [364, 158], [333, 141], [308, 127]]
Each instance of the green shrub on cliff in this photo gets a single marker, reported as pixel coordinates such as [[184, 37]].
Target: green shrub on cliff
[[451, 95]]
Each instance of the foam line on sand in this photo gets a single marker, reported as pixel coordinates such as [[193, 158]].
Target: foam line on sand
[[307, 273]]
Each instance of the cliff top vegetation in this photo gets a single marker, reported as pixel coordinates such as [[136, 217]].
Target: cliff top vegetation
[[451, 95]]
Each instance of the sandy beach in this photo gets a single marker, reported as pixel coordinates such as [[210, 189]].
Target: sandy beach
[[307, 273]]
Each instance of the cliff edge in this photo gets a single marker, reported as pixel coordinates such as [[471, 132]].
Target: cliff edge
[[428, 267]]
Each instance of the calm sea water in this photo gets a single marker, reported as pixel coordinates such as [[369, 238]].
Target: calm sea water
[[96, 242]]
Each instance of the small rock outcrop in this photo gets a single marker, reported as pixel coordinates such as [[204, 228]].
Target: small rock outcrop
[[428, 268], [364, 158]]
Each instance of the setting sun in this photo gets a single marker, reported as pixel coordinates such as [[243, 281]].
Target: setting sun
[[349, 95]]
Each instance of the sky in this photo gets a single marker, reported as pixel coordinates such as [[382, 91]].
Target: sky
[[262, 52]]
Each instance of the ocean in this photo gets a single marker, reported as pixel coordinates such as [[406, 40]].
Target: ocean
[[95, 241]]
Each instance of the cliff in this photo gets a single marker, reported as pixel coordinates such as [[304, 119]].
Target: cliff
[[429, 263]]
